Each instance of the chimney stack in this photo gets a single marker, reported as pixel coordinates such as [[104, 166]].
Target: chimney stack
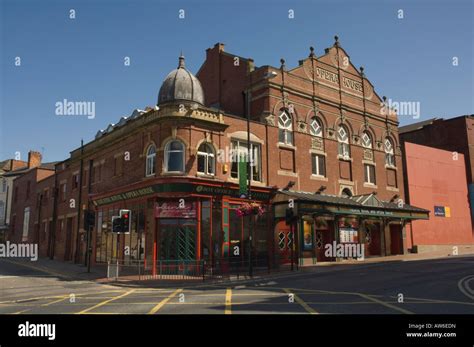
[[219, 46], [34, 159]]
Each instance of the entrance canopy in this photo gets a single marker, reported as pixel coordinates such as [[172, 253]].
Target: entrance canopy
[[364, 205]]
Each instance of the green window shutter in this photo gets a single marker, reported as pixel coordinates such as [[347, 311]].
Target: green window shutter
[[242, 177]]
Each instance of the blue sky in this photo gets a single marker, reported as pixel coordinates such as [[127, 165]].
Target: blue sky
[[406, 59]]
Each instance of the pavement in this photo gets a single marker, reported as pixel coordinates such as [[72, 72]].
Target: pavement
[[403, 286]]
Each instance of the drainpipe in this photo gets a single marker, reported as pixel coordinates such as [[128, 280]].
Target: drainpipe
[[39, 218], [52, 233], [266, 154], [79, 203]]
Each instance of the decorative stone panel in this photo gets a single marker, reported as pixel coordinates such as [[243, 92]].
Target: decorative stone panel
[[331, 133], [368, 154], [317, 143], [270, 120], [302, 127]]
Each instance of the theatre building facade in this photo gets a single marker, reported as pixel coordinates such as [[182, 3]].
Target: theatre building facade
[[321, 143]]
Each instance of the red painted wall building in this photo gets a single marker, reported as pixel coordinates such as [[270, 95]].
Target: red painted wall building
[[436, 181]]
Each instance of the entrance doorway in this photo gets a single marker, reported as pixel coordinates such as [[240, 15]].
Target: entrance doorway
[[284, 242], [372, 239], [177, 239], [324, 235], [396, 239], [68, 250]]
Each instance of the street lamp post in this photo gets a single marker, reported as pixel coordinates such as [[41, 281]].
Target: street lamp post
[[249, 174]]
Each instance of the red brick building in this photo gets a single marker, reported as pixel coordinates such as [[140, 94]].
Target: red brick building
[[6, 184], [25, 199], [436, 181], [320, 137]]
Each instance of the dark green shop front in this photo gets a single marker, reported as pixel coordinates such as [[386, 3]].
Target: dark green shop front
[[321, 220], [183, 222]]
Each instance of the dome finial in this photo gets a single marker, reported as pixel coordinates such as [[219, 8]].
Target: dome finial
[[180, 86], [181, 61]]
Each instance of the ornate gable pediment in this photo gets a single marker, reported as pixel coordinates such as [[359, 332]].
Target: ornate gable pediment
[[369, 200]]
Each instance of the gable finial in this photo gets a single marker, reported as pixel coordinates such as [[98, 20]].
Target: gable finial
[[336, 40], [311, 50], [282, 62]]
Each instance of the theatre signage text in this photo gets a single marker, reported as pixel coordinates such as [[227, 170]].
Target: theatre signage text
[[334, 78], [178, 187]]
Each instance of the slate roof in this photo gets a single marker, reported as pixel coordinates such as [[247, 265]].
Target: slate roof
[[354, 201], [22, 170], [415, 126]]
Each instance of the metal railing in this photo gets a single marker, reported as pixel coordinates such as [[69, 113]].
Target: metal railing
[[221, 268]]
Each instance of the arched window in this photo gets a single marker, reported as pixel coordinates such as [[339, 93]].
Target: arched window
[[389, 153], [285, 128], [366, 140], [346, 192], [150, 161], [315, 127], [174, 156], [206, 162], [343, 141]]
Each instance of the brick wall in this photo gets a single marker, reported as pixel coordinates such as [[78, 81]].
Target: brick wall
[[25, 196]]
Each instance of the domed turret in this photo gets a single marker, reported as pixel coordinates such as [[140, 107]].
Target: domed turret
[[181, 85]]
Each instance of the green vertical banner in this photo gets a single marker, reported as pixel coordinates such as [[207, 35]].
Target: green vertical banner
[[225, 228], [242, 177]]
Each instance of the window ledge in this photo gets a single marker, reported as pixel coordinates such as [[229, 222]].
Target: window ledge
[[340, 157], [393, 189], [391, 167], [370, 185], [318, 178], [317, 151], [253, 183], [287, 173], [173, 173], [204, 175], [285, 146], [369, 162]]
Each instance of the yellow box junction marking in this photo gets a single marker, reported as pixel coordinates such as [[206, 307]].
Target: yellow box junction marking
[[228, 301], [301, 302], [164, 301]]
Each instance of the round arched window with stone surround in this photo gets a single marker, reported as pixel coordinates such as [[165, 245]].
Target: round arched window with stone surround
[[389, 152], [174, 156], [285, 128], [315, 127], [346, 192], [150, 161], [206, 159], [366, 140], [343, 142]]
